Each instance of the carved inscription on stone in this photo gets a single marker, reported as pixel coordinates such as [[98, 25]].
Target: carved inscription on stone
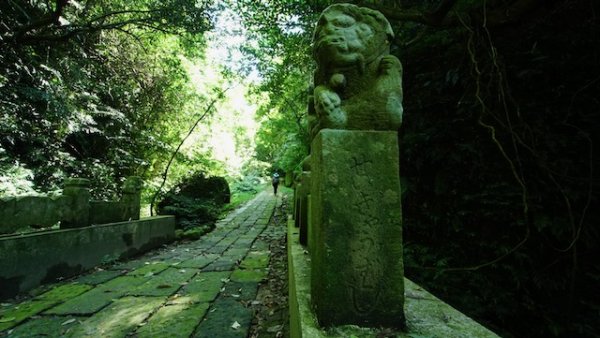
[[366, 274]]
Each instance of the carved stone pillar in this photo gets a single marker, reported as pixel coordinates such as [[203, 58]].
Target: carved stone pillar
[[357, 274], [78, 190], [132, 189]]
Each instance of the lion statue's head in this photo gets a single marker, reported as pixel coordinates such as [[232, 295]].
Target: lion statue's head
[[348, 35]]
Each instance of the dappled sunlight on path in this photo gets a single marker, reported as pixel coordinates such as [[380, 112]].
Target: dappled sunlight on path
[[203, 288]]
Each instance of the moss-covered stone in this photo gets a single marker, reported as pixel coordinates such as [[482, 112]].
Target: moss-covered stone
[[64, 292], [357, 267], [151, 268], [235, 253], [198, 262], [178, 320], [98, 297], [250, 275], [98, 277], [17, 313], [220, 320], [221, 264], [45, 327], [256, 260], [119, 319], [244, 291], [203, 288], [163, 284]]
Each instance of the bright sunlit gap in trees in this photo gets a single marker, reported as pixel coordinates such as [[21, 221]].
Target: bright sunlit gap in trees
[[227, 135]]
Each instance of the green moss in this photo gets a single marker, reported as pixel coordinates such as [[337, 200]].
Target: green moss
[[163, 284], [198, 261], [120, 318], [256, 260], [64, 292], [149, 269], [45, 327], [193, 233], [203, 288], [19, 312], [174, 321], [242, 275], [97, 298]]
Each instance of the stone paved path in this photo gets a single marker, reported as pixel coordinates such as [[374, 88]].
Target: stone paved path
[[204, 288]]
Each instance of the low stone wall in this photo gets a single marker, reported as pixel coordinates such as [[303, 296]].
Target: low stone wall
[[34, 211], [73, 208], [29, 260], [426, 315]]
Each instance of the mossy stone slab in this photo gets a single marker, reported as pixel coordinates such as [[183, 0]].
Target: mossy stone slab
[[218, 249], [220, 320], [199, 262], [149, 269], [98, 277], [244, 291], [256, 260], [17, 313], [248, 275], [221, 264], [178, 320], [260, 245], [164, 284], [98, 297], [45, 327], [236, 254], [64, 292], [203, 288], [246, 240], [120, 318]]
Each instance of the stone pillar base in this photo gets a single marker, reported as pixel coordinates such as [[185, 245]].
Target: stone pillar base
[[357, 273]]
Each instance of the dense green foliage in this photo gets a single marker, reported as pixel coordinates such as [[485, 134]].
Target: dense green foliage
[[281, 32], [96, 89], [196, 200]]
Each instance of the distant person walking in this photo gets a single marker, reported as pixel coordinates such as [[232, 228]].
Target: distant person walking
[[275, 182]]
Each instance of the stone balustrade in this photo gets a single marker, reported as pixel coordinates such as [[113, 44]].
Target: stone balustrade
[[73, 209]]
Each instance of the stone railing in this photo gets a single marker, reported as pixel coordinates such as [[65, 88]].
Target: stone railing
[[73, 209]]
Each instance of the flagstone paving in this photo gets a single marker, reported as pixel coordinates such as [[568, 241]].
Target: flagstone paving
[[203, 288]]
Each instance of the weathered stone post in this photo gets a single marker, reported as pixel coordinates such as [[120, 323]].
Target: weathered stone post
[[357, 270], [132, 191], [78, 215], [355, 234], [303, 193]]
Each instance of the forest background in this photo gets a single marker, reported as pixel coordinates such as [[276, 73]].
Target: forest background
[[500, 189]]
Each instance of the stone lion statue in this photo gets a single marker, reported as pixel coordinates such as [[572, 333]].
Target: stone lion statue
[[358, 84]]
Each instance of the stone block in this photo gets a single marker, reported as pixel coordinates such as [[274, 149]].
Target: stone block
[[357, 267], [302, 200], [78, 190], [34, 211], [120, 318]]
